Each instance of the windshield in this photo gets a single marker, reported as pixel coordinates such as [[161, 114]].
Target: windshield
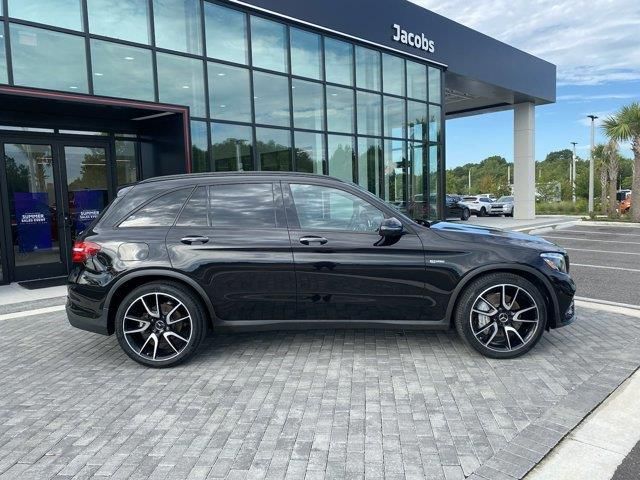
[[505, 199]]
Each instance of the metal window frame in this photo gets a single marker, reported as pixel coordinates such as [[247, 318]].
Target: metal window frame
[[249, 10]]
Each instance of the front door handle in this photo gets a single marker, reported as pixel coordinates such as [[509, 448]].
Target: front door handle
[[191, 239], [312, 239]]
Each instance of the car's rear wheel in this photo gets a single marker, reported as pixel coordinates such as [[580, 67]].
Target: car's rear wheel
[[501, 315], [465, 214], [160, 324]]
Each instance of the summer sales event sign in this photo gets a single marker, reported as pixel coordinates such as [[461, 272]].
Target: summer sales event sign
[[88, 205], [33, 219]]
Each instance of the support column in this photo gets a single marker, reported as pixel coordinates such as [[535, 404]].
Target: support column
[[524, 161]]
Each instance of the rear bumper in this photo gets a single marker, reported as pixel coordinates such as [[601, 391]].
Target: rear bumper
[[85, 322], [85, 311]]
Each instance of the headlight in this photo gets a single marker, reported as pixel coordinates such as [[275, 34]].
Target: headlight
[[556, 261]]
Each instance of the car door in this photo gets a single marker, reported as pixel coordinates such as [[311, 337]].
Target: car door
[[344, 269], [232, 238]]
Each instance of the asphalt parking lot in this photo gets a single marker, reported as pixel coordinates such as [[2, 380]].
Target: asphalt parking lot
[[605, 260]]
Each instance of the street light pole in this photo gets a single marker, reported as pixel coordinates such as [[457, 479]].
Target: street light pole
[[469, 181], [591, 161], [573, 178]]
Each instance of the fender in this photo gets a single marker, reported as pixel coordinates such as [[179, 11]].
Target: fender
[[160, 272], [475, 273]]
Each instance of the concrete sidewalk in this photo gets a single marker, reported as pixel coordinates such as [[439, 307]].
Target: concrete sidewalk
[[15, 298], [540, 222]]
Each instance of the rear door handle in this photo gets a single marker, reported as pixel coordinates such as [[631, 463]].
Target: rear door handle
[[312, 239], [191, 239]]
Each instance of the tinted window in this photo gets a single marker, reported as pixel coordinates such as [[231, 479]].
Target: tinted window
[[269, 44], [160, 212], [226, 32], [232, 147], [125, 19], [177, 25], [242, 206], [181, 82], [338, 59], [306, 59], [332, 209], [271, 99], [195, 211], [61, 13], [121, 71], [63, 55], [229, 93]]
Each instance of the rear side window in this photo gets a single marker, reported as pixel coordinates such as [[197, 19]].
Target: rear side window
[[159, 212], [248, 205]]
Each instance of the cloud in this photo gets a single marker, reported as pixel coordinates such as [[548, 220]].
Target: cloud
[[591, 42], [589, 98]]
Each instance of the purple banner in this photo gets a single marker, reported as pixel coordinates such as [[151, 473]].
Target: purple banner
[[33, 221], [86, 205]]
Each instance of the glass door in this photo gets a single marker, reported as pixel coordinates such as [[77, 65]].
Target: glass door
[[88, 177], [34, 215]]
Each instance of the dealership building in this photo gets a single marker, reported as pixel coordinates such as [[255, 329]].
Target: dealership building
[[95, 94]]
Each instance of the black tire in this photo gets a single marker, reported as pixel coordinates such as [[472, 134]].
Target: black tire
[[466, 317], [482, 212], [464, 216], [167, 332]]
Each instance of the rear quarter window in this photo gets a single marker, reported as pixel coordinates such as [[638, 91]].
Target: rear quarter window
[[159, 212]]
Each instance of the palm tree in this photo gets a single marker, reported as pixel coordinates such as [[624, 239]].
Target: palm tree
[[613, 166], [601, 158], [622, 127]]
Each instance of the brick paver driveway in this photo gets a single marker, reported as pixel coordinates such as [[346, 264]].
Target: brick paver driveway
[[317, 404]]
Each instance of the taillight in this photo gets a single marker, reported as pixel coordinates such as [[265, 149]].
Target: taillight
[[83, 251]]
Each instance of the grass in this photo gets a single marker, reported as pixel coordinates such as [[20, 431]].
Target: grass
[[562, 208]]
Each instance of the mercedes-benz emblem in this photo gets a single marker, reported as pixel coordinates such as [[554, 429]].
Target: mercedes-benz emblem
[[503, 317]]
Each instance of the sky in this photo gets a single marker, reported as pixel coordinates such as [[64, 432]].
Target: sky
[[595, 45]]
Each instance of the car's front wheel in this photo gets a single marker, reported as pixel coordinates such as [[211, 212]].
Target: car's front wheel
[[482, 212], [501, 315], [160, 324], [465, 214]]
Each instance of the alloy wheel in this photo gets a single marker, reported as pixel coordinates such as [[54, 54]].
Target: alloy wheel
[[157, 326], [504, 318]]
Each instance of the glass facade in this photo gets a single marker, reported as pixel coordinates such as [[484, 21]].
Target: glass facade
[[263, 93]]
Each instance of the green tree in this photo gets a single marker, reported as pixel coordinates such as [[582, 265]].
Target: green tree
[[622, 127]]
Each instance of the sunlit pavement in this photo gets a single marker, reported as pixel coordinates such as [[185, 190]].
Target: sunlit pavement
[[317, 404]]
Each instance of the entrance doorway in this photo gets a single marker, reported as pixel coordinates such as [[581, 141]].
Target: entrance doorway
[[54, 190]]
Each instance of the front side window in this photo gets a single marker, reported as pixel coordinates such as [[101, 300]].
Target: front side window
[[160, 212], [326, 208]]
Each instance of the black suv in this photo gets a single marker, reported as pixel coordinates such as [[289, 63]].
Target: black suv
[[173, 257]]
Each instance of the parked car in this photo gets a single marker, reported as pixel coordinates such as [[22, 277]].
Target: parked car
[[503, 206], [480, 206], [174, 257], [490, 196], [625, 204], [454, 208]]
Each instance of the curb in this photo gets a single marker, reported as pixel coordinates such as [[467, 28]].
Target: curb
[[541, 229], [591, 223]]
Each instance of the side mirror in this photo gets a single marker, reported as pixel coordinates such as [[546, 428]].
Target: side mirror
[[391, 227]]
